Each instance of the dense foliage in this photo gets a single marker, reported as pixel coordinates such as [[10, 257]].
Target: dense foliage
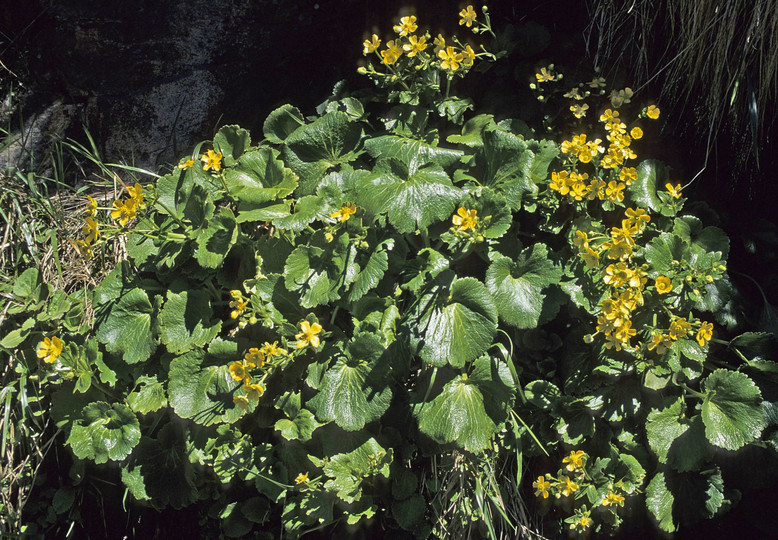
[[312, 328]]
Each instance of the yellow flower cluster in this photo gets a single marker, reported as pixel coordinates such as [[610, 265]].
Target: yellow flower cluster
[[449, 57], [241, 371], [680, 328], [238, 304], [127, 210]]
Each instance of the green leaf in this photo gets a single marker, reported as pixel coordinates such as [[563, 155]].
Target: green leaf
[[472, 131], [659, 501], [127, 329], [306, 210], [732, 409], [372, 272], [652, 176], [299, 428], [412, 152], [664, 426], [454, 324], [148, 396], [454, 108], [347, 471], [27, 282], [281, 123], [216, 240], [354, 390], [186, 322], [202, 393], [409, 512], [310, 272], [662, 251], [517, 287], [313, 148], [411, 198], [457, 414], [232, 142], [104, 431], [260, 177], [704, 240]]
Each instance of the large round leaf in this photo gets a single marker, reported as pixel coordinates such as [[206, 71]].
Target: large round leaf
[[105, 431], [732, 410], [127, 329], [454, 325]]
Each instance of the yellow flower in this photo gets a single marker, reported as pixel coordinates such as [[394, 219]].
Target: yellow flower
[[612, 498], [637, 216], [609, 117], [705, 333], [545, 75], [308, 335], [344, 213], [301, 478], [541, 486], [465, 219], [212, 160], [636, 133], [136, 195], [254, 357], [574, 460], [660, 342], [679, 328], [581, 241], [83, 249], [392, 53], [583, 521], [674, 191], [579, 111], [371, 45], [590, 257], [469, 56], [241, 402], [124, 211], [253, 391], [468, 16], [615, 191], [440, 43], [90, 230], [186, 164], [271, 349], [49, 349], [238, 307], [628, 175], [567, 486], [663, 285], [620, 97], [407, 26], [239, 370], [415, 45], [652, 112], [597, 83], [450, 58], [91, 206], [573, 94]]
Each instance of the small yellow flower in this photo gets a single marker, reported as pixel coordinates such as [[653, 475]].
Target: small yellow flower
[[545, 75], [49, 349], [136, 195], [239, 370], [612, 498], [254, 357], [301, 478], [308, 335], [674, 191], [468, 16], [652, 112], [705, 333], [636, 133], [440, 43], [272, 349], [574, 460], [590, 257], [583, 521], [541, 486], [579, 111], [679, 328], [597, 83], [415, 45], [241, 402], [253, 391], [465, 219], [615, 191], [186, 164], [450, 58], [212, 161], [663, 285], [609, 116], [124, 211], [392, 53], [344, 213], [407, 26], [628, 175], [621, 97], [91, 206], [567, 486], [238, 307], [660, 342], [90, 230], [468, 56], [371, 45]]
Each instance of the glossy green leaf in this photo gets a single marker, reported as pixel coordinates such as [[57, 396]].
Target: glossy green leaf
[[703, 239], [201, 393], [260, 177], [104, 431], [347, 471], [517, 286], [454, 324], [148, 395], [732, 409], [216, 240], [232, 142], [281, 123], [372, 271], [127, 329], [186, 321], [663, 426], [652, 177], [306, 210], [412, 152]]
